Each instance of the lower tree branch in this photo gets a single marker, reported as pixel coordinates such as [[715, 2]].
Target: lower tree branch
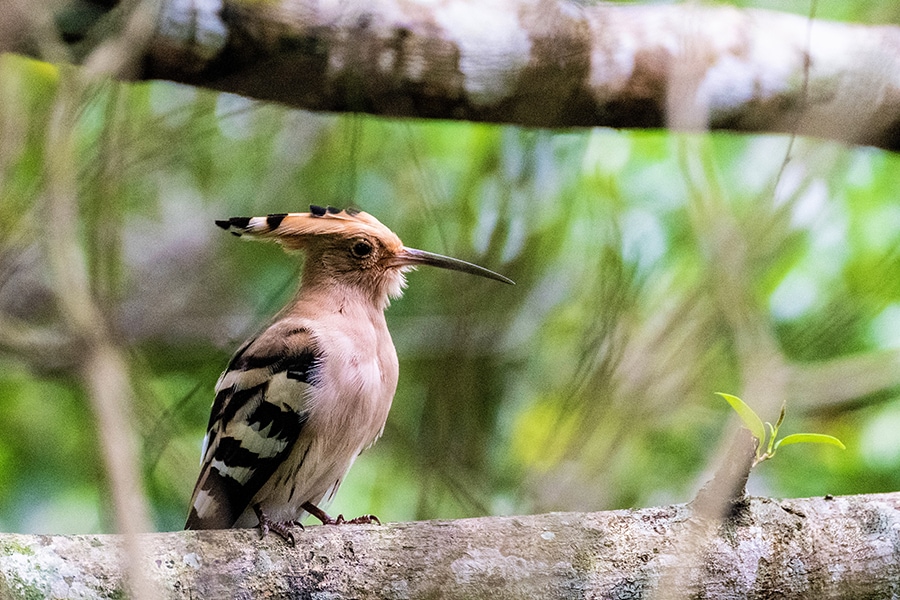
[[844, 547]]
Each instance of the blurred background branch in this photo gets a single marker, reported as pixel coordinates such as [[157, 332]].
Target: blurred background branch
[[554, 63]]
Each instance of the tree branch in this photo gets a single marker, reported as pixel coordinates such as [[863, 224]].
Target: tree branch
[[549, 63], [806, 548]]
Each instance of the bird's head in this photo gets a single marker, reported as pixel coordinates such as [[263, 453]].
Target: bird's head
[[348, 246]]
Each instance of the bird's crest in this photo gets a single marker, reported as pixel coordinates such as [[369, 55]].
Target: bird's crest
[[294, 230]]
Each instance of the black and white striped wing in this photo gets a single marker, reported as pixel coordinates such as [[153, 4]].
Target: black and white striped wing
[[257, 416]]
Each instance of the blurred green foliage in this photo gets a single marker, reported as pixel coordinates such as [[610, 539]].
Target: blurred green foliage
[[652, 269]]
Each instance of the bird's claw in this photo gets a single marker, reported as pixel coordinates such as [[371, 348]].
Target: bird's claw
[[282, 528], [360, 520], [340, 520]]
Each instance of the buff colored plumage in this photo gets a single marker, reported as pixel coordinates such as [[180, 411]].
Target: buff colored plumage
[[300, 401]]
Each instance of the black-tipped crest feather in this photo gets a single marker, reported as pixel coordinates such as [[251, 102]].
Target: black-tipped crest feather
[[274, 220]]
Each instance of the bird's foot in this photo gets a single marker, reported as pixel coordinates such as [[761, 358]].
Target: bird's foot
[[360, 520], [282, 528], [339, 520]]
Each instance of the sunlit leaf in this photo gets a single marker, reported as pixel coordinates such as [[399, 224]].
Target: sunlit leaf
[[810, 438], [780, 418], [748, 416], [772, 429]]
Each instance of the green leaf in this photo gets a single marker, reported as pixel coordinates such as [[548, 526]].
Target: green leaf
[[773, 430], [780, 418], [748, 416], [810, 438]]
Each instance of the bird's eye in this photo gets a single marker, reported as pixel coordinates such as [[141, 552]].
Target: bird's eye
[[361, 249]]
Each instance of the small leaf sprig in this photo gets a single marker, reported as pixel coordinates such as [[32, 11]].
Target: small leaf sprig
[[767, 434]]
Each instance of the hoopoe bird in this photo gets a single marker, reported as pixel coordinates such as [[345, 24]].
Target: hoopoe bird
[[300, 401]]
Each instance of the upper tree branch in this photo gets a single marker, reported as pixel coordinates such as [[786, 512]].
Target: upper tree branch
[[544, 63]]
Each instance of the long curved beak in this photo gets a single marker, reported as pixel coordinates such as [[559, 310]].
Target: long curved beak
[[412, 257]]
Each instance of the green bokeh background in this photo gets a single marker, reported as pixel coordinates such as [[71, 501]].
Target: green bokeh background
[[639, 257]]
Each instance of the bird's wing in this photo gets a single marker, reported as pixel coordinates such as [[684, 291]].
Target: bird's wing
[[257, 415]]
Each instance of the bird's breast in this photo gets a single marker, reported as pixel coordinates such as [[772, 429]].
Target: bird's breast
[[357, 378]]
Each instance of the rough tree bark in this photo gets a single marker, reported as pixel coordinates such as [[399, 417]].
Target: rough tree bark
[[818, 548], [545, 63]]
